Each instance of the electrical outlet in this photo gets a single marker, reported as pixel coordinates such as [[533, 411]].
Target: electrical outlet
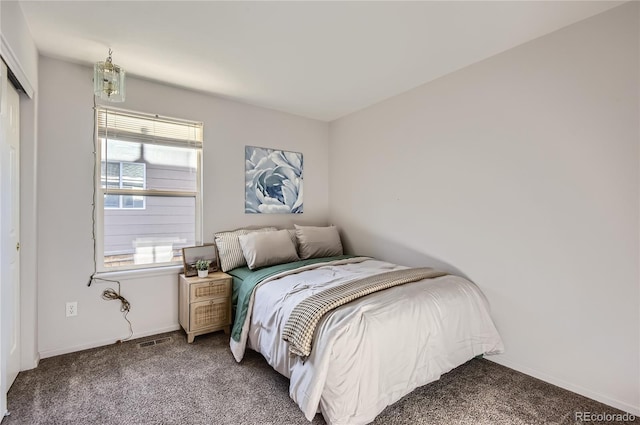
[[72, 309]]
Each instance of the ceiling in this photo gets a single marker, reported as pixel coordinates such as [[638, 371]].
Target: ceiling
[[321, 60]]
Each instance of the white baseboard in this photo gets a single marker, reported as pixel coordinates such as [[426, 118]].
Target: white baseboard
[[73, 349], [30, 363], [36, 361], [626, 407]]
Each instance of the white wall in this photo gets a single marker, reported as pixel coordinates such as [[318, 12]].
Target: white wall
[[521, 172], [65, 186]]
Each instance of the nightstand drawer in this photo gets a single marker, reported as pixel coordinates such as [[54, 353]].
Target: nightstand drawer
[[205, 314], [211, 289]]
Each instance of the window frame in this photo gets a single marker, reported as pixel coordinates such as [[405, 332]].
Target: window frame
[[99, 192]]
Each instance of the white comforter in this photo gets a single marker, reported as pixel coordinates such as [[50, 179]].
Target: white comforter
[[371, 352]]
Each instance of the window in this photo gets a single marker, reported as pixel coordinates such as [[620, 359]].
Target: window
[[148, 193], [123, 175]]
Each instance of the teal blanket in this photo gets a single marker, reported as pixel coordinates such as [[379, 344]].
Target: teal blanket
[[245, 280]]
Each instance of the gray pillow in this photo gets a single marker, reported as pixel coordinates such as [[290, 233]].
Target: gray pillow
[[294, 238], [229, 249], [267, 249], [316, 242]]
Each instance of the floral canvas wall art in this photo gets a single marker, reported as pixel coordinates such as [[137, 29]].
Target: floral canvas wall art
[[273, 181]]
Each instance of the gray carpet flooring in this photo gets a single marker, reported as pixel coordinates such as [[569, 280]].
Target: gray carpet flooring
[[200, 383]]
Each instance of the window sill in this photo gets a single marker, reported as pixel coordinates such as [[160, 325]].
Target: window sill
[[140, 273]]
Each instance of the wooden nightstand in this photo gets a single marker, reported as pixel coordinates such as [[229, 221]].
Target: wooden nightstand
[[205, 304]]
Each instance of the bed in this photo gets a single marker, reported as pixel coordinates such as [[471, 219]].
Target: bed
[[369, 352]]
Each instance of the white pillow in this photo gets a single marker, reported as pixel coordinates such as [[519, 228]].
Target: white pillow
[[316, 242], [267, 249], [229, 249]]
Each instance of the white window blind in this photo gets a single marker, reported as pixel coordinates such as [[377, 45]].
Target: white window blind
[[126, 125]]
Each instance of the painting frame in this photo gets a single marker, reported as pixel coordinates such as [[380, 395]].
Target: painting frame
[[191, 254], [274, 181]]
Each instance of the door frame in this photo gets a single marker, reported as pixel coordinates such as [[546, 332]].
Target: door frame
[[10, 204], [3, 390], [27, 85]]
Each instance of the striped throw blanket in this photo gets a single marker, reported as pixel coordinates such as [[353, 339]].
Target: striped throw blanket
[[304, 318]]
